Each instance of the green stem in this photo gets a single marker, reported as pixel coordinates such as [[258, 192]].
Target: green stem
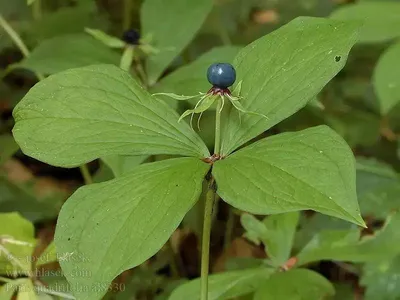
[[5, 280], [17, 41], [37, 10], [205, 245], [86, 174], [217, 144], [14, 36], [127, 14]]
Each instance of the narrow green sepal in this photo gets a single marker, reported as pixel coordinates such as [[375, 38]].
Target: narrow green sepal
[[201, 106], [127, 58], [106, 39], [175, 96]]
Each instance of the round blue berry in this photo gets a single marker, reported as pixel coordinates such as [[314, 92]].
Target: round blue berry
[[221, 75], [131, 36]]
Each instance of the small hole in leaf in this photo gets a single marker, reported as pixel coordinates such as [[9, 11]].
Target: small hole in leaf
[[177, 185], [69, 239], [338, 58]]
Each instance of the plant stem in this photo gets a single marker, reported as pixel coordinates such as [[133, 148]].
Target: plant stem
[[37, 10], [127, 13], [217, 144], [205, 245], [5, 280], [86, 174], [14, 36], [17, 41]]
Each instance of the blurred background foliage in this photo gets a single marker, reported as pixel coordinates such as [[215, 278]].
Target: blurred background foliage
[[362, 103]]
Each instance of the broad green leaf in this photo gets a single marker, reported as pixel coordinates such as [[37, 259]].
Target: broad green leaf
[[8, 147], [378, 187], [225, 285], [283, 71], [180, 20], [126, 221], [310, 226], [192, 78], [279, 241], [344, 245], [358, 128], [23, 199], [255, 229], [16, 244], [380, 19], [382, 279], [49, 255], [8, 290], [66, 52], [310, 169], [344, 291], [328, 244], [297, 284], [26, 290], [76, 116], [276, 232], [121, 164], [84, 14], [386, 78]]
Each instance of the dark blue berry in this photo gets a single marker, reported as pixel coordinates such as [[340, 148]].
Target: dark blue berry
[[221, 75], [131, 36]]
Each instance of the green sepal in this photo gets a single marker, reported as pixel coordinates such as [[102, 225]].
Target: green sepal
[[127, 58], [105, 38], [201, 106], [175, 96]]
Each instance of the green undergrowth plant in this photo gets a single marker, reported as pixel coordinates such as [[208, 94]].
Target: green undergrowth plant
[[81, 114]]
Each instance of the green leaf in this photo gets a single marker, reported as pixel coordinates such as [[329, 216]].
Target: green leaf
[[49, 255], [180, 21], [26, 290], [53, 23], [378, 187], [299, 284], [276, 232], [255, 229], [329, 244], [66, 52], [310, 226], [380, 19], [225, 285], [283, 71], [8, 290], [382, 279], [8, 147], [191, 78], [16, 244], [344, 245], [386, 78], [127, 220], [76, 116], [23, 199], [281, 231], [122, 164], [310, 169]]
